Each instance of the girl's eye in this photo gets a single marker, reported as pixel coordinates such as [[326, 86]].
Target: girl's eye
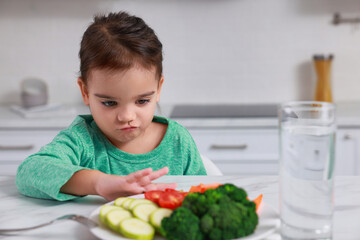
[[142, 101], [109, 103]]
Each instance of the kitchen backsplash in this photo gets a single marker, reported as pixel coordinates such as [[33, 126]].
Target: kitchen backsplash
[[230, 51]]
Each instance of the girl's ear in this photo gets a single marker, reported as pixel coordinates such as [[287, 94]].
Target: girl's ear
[[159, 88], [84, 91]]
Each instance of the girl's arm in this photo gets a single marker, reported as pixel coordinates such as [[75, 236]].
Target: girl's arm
[[94, 182]]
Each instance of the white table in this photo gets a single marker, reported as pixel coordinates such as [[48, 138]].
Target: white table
[[17, 210]]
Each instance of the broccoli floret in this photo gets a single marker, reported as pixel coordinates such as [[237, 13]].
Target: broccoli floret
[[197, 202], [228, 220], [235, 193], [182, 224], [206, 223], [224, 213], [213, 196]]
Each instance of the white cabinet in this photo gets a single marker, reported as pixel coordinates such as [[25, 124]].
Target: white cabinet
[[255, 151], [16, 145], [347, 152], [240, 151], [21, 137]]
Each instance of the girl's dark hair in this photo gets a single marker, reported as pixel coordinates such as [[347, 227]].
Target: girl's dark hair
[[119, 41]]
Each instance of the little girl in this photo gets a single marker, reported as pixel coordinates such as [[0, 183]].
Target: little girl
[[113, 151]]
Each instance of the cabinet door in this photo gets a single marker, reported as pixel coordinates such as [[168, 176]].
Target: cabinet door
[[347, 152], [16, 145], [240, 151]]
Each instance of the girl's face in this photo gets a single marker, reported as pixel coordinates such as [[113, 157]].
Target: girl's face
[[122, 102]]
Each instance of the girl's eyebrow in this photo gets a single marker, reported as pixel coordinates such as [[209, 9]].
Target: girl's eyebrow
[[104, 96], [147, 94]]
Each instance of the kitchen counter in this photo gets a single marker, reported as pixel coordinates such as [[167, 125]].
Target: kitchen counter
[[348, 116], [20, 211], [12, 120]]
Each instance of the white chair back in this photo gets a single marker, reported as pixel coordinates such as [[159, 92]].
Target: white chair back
[[210, 167]]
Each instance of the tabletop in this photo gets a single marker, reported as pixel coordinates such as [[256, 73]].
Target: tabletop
[[17, 210]]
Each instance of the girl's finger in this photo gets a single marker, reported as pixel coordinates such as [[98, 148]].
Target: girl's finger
[[159, 173], [146, 180], [135, 176]]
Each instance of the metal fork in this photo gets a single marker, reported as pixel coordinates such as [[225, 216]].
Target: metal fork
[[77, 218]]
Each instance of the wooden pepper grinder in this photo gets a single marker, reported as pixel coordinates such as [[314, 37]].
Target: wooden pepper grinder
[[323, 71]]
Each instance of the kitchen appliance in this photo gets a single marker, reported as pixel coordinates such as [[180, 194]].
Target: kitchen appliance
[[34, 92]]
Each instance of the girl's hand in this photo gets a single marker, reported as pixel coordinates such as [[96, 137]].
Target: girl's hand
[[113, 186]]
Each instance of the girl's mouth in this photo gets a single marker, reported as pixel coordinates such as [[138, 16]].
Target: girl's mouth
[[128, 129]]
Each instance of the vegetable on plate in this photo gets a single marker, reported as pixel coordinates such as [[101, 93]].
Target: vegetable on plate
[[216, 214], [115, 216], [134, 218], [169, 198], [207, 211], [203, 187], [135, 228]]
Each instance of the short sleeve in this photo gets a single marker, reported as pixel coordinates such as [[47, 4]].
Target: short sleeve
[[193, 164]]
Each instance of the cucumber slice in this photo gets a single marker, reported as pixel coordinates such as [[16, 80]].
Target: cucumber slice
[[115, 216], [104, 210], [125, 204], [136, 202], [119, 201], [157, 216], [143, 211], [136, 229]]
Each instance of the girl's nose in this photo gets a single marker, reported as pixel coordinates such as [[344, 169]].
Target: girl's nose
[[126, 114]]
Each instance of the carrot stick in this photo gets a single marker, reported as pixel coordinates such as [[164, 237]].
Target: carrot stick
[[258, 201], [203, 187]]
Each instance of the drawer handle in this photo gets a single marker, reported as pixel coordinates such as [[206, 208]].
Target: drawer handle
[[15, 148], [229, 147], [347, 137]]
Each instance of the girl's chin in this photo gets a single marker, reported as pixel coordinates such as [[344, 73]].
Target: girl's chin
[[125, 137]]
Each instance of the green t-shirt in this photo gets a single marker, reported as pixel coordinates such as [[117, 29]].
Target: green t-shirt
[[83, 146]]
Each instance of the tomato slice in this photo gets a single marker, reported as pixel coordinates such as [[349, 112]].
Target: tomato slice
[[170, 190], [171, 199], [153, 195]]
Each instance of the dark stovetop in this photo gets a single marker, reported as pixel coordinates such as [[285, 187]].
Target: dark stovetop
[[225, 111]]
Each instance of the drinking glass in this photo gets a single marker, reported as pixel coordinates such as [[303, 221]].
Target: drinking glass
[[307, 155]]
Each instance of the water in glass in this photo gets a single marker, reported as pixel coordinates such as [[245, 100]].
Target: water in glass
[[306, 171]]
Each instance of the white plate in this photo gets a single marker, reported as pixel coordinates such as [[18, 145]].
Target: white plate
[[268, 223]]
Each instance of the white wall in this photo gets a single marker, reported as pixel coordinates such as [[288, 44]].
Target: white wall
[[228, 51]]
